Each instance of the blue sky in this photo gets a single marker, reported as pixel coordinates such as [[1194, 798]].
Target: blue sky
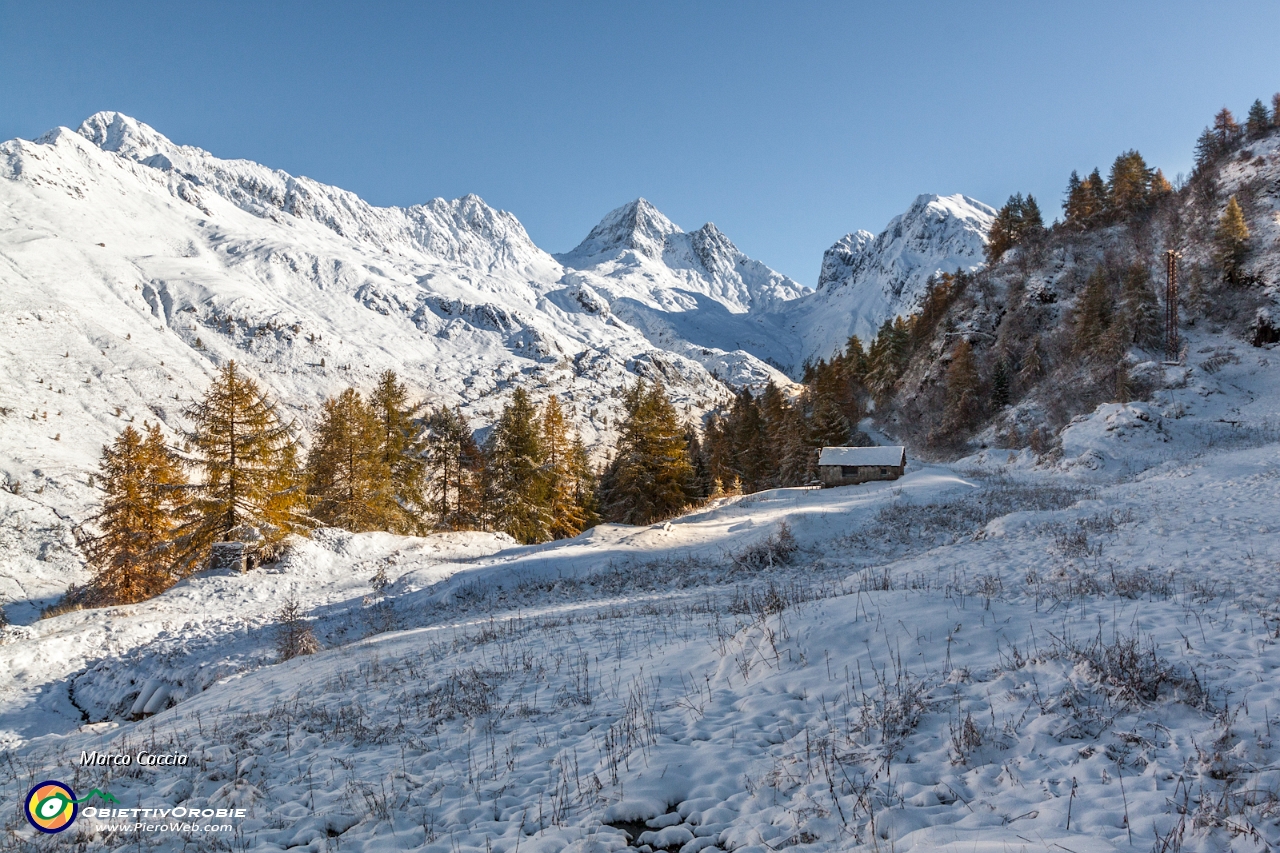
[[787, 124]]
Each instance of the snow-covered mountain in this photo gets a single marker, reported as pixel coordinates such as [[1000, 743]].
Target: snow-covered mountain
[[866, 280], [693, 293], [133, 267], [643, 255]]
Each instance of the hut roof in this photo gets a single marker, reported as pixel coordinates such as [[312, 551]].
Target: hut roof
[[863, 456]]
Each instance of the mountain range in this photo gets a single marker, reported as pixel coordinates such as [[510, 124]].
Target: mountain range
[[133, 267]]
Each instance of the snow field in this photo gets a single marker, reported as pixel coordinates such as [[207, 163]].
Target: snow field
[[1076, 652]]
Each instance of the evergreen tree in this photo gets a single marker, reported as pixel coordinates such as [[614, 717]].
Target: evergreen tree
[[348, 480], [517, 485], [887, 359], [1092, 316], [796, 462], [752, 462], [703, 481], [1160, 185], [963, 408], [1087, 202], [1139, 309], [1226, 129], [828, 426], [1073, 200], [570, 486], [143, 486], [1001, 393], [402, 448], [718, 450], [1004, 227], [855, 360], [1015, 223], [1231, 241], [1032, 365], [1032, 220], [1275, 110], [1208, 149], [650, 476], [453, 495], [1129, 186], [1258, 122], [250, 488]]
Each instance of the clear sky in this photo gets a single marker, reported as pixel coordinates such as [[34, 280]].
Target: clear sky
[[787, 124]]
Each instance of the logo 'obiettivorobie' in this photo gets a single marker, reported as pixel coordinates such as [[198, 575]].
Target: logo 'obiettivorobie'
[[52, 806]]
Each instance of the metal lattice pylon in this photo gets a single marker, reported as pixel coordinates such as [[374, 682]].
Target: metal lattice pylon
[[1171, 343]]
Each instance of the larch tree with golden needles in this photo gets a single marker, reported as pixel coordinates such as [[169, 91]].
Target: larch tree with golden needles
[[1231, 240], [143, 485], [348, 481], [250, 485], [570, 481]]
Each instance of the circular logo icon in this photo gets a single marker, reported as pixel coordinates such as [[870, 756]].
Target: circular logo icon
[[51, 806]]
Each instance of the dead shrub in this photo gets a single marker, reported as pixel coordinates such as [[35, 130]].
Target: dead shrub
[[293, 634]]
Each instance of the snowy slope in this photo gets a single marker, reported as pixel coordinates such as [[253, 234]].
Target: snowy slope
[[1030, 655], [133, 267], [866, 280]]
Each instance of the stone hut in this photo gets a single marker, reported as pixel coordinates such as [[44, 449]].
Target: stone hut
[[849, 466]]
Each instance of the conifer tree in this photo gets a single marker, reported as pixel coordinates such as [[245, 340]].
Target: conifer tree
[[1208, 149], [1001, 393], [1032, 220], [797, 462], [1092, 316], [748, 433], [1139, 309], [963, 385], [348, 478], [1231, 241], [570, 487], [250, 485], [1073, 201], [516, 482], [1032, 365], [650, 476], [1087, 203], [887, 359], [1258, 122], [855, 359], [702, 480], [1275, 110], [1004, 227], [1226, 129], [1016, 223], [143, 487], [719, 453], [828, 426], [402, 449], [1129, 186], [1160, 185], [453, 496]]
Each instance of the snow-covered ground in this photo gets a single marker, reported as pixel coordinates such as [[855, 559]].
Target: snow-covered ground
[[1074, 653]]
